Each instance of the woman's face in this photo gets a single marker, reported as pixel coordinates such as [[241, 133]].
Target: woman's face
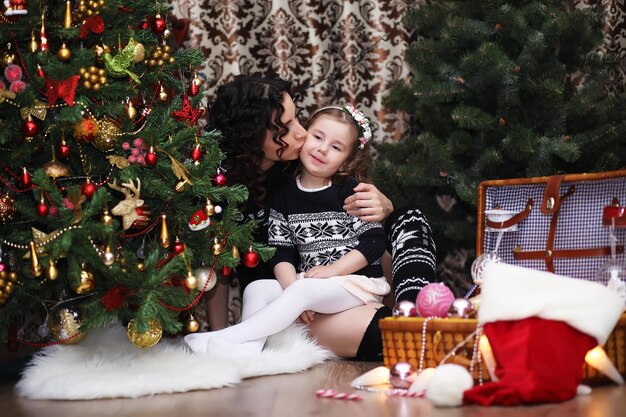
[[294, 138]]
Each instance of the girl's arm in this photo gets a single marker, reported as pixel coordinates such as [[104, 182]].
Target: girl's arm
[[348, 264], [368, 203], [285, 273]]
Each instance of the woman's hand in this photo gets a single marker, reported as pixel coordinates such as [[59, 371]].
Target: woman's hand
[[368, 204]]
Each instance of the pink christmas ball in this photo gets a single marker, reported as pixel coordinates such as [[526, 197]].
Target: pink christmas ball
[[434, 300]]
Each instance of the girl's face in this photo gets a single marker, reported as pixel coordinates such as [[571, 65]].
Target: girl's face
[[328, 146], [294, 137]]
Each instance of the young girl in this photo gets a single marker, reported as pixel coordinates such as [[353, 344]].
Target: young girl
[[338, 255]]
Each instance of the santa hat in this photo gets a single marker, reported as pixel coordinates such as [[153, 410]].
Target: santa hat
[[540, 326]]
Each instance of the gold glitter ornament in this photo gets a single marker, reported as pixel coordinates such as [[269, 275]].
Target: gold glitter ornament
[[56, 169], [87, 282], [7, 209], [139, 52], [147, 339], [64, 324], [107, 139]]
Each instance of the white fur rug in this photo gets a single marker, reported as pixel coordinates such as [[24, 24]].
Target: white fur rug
[[107, 365]]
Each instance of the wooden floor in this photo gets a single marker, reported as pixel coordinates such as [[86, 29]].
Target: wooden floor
[[293, 395]]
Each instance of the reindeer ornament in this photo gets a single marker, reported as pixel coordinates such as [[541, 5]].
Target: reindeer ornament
[[132, 209]]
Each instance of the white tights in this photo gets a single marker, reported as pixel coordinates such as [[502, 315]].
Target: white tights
[[268, 309]]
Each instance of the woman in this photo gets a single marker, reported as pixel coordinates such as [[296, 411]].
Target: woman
[[261, 136]]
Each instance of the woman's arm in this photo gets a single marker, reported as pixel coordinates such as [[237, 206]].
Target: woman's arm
[[368, 203]]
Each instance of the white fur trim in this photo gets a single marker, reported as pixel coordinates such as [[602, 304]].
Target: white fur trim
[[512, 292], [107, 365], [447, 385]]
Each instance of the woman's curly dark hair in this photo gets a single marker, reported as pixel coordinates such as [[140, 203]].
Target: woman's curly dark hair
[[356, 165], [243, 111]]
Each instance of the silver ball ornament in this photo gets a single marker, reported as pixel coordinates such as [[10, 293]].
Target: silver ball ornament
[[401, 375], [461, 308], [404, 308], [204, 274]]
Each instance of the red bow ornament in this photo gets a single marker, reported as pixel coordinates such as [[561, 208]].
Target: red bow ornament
[[93, 24], [66, 89]]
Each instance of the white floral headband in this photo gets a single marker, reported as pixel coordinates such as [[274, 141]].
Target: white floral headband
[[362, 122]]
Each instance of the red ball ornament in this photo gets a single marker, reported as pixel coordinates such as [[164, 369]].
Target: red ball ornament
[[251, 259], [196, 153], [194, 88], [30, 128], [179, 247], [220, 180], [159, 24], [226, 270], [88, 189], [42, 210], [64, 150], [151, 157]]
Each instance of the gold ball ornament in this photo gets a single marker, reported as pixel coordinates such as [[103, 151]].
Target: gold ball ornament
[[190, 281], [107, 218], [192, 325], [147, 339], [64, 324], [107, 139], [64, 54]]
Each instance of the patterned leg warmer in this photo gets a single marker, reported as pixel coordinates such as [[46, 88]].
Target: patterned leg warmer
[[413, 252]]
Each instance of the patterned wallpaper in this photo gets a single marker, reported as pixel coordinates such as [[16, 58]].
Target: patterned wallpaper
[[337, 50]]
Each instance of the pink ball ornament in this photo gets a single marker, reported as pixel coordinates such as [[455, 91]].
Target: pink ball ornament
[[434, 300], [13, 73], [17, 86]]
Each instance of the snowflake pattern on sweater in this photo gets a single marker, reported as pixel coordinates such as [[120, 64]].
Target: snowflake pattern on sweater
[[313, 225]]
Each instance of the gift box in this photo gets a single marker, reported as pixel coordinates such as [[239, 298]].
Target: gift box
[[558, 224]]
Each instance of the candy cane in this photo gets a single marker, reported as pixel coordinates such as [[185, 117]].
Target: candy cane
[[334, 394], [403, 393]]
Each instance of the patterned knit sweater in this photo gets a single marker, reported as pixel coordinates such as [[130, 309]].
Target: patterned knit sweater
[[310, 227]]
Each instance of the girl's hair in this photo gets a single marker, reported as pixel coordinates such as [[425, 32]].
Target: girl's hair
[[243, 111], [356, 165]]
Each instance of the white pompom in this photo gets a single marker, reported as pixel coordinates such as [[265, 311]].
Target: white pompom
[[447, 385], [421, 382]]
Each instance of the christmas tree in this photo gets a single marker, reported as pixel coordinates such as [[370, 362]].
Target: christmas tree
[[499, 89], [113, 206]]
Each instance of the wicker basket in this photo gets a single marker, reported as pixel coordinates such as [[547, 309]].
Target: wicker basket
[[402, 342]]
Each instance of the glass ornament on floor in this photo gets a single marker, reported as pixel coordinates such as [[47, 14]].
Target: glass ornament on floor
[[613, 272]]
